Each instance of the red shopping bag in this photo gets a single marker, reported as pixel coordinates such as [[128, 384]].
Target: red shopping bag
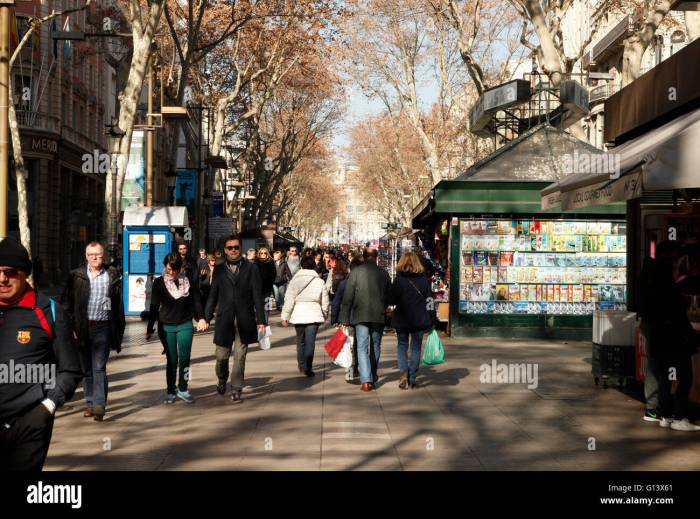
[[335, 343]]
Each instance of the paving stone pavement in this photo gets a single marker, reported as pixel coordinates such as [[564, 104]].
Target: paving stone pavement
[[290, 422]]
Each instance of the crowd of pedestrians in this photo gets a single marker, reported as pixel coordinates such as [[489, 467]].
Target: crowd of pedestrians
[[239, 290]]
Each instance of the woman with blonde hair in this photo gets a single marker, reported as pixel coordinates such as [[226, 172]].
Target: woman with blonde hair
[[411, 294]]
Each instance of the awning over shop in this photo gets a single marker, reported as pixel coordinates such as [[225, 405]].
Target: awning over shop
[[663, 159]]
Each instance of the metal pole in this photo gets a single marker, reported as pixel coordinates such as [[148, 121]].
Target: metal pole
[[4, 111], [114, 238], [149, 138]]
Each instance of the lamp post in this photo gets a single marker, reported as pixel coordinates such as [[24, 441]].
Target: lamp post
[[5, 6]]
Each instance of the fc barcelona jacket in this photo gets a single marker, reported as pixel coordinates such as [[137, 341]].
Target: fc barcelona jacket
[[38, 357]]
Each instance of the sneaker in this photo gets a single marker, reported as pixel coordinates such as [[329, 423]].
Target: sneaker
[[237, 397], [349, 375], [170, 398], [185, 395], [665, 423], [309, 373], [221, 388], [684, 425], [651, 415]]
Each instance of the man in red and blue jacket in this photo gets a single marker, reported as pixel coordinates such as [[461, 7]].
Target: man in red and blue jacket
[[39, 363]]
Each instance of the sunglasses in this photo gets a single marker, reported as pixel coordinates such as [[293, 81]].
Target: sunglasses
[[233, 247], [10, 273]]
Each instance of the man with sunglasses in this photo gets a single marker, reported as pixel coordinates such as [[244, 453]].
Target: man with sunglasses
[[93, 301], [236, 295], [35, 339]]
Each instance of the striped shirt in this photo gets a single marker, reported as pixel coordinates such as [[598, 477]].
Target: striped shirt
[[98, 304]]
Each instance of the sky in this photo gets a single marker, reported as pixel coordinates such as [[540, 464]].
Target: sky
[[360, 107]]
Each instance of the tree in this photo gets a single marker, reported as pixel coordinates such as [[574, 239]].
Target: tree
[[20, 168], [484, 29], [144, 18]]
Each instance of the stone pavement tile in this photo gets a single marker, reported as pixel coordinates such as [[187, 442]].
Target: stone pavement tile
[[280, 463], [464, 460], [344, 460]]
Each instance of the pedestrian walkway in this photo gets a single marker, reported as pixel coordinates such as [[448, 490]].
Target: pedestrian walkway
[[290, 422]]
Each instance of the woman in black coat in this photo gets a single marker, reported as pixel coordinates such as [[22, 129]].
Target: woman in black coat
[[410, 293], [268, 273]]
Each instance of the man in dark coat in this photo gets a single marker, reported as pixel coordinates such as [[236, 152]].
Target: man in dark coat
[[35, 341], [364, 305], [93, 301], [236, 294]]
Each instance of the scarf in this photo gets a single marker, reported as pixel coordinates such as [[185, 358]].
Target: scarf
[[182, 289]]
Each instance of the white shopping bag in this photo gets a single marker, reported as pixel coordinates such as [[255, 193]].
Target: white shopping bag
[[344, 358], [264, 338]]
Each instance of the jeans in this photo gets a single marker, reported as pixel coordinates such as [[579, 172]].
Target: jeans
[[651, 385], [675, 406], [651, 379], [279, 292], [94, 363], [240, 351], [412, 365], [179, 340], [369, 341], [306, 343]]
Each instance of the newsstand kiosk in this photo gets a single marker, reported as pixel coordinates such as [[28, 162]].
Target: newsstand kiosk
[[148, 238]]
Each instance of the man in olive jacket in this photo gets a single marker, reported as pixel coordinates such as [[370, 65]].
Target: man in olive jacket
[[366, 299], [237, 296]]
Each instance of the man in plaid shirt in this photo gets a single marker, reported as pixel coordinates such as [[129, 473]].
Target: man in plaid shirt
[[93, 300]]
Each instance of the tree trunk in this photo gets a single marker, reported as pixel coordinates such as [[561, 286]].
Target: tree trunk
[[692, 24], [21, 174], [632, 59], [128, 102], [549, 55]]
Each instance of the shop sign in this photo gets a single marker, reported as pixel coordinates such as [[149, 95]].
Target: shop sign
[[626, 188], [44, 145]]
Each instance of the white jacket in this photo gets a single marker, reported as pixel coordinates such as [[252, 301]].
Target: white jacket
[[306, 300]]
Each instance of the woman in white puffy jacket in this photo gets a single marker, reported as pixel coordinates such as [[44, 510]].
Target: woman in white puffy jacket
[[306, 306]]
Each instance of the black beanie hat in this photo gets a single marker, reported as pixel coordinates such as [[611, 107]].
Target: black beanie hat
[[13, 254]]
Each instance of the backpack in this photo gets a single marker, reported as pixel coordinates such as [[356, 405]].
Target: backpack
[[48, 328]]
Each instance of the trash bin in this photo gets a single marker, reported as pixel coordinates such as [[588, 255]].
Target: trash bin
[[613, 353]]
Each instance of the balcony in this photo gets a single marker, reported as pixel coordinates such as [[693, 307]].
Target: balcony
[[612, 39], [29, 119], [602, 92]]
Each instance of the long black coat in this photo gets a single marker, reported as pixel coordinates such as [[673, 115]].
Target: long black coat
[[268, 273], [75, 298], [238, 302], [410, 293]]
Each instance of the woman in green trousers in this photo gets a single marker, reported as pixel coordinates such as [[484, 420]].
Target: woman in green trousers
[[174, 303]]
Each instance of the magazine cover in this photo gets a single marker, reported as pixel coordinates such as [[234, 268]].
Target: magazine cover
[[501, 292], [467, 257], [481, 258], [478, 275], [513, 293], [502, 275], [506, 259]]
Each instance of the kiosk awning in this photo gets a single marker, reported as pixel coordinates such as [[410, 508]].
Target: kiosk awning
[[156, 216], [663, 159]]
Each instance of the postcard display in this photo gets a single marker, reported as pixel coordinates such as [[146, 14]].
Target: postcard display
[[541, 267]]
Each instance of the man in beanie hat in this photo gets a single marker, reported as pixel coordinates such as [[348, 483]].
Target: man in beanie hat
[[93, 301], [39, 364]]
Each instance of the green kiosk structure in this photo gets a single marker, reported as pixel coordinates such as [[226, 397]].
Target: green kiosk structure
[[517, 267]]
